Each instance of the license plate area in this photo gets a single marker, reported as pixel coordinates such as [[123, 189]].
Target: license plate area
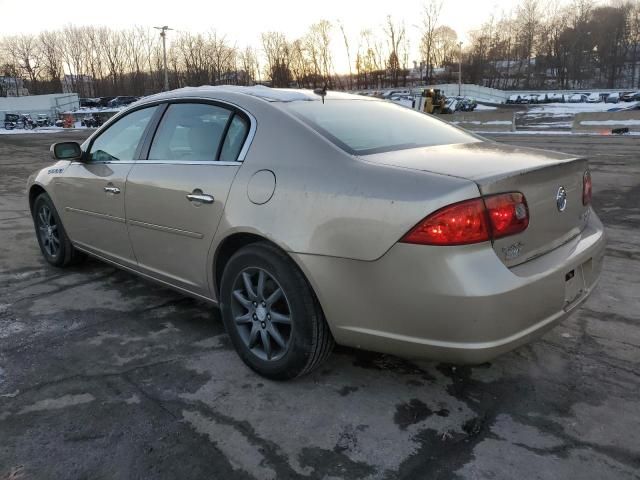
[[574, 286]]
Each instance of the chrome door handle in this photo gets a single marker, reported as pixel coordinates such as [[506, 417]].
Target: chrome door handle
[[112, 189], [200, 198]]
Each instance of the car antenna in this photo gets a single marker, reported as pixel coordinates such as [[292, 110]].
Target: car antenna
[[321, 91]]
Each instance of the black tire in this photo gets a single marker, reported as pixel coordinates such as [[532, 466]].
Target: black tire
[[64, 254], [308, 339]]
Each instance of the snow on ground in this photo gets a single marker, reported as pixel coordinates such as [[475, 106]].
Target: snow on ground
[[19, 131], [484, 108]]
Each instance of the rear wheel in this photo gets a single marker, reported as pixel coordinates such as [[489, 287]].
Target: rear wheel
[[52, 238], [272, 315]]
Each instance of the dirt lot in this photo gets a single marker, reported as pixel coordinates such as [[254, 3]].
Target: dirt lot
[[104, 375]]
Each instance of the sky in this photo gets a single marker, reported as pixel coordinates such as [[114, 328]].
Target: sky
[[243, 20]]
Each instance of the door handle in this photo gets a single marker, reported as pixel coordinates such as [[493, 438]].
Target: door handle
[[111, 189], [200, 197]]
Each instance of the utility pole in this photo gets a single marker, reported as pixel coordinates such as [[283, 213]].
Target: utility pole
[[460, 73], [163, 34]]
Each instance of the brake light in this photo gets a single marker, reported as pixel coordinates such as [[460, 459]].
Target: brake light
[[587, 188], [508, 213], [472, 221], [457, 224]]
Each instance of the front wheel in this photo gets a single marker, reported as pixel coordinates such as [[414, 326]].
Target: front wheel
[[271, 314], [52, 238]]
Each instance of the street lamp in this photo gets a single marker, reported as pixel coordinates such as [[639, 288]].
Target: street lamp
[[460, 72], [163, 34]]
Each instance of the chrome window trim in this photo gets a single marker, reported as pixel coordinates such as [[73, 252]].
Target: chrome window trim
[[160, 162], [241, 156]]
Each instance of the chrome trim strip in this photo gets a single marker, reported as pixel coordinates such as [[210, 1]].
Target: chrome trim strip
[[190, 162], [162, 228], [96, 214], [163, 162]]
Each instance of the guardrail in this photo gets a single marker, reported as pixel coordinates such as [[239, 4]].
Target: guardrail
[[604, 122], [483, 121]]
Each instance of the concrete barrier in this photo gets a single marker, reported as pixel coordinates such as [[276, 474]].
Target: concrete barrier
[[604, 122], [483, 121]]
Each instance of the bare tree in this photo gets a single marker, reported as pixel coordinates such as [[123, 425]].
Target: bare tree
[[430, 19]]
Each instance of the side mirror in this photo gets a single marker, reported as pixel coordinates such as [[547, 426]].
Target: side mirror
[[66, 151]]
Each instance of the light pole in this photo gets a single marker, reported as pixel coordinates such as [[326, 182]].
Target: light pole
[[460, 73], [163, 34]]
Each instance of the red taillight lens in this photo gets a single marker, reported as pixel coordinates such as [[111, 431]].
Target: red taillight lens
[[472, 221], [587, 188], [508, 213], [457, 224]]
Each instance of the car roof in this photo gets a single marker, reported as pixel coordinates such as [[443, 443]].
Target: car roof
[[258, 91]]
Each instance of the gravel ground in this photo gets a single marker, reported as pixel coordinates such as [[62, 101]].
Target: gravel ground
[[104, 375]]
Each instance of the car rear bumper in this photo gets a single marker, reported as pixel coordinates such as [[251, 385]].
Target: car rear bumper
[[456, 304]]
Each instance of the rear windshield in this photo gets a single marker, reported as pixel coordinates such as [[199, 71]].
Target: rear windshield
[[363, 127]]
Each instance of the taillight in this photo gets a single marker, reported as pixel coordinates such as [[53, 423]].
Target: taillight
[[508, 214], [472, 221], [587, 188], [457, 224]]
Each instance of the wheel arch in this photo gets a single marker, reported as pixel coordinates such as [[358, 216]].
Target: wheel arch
[[34, 191]]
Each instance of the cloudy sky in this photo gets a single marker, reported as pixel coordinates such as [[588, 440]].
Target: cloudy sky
[[243, 20]]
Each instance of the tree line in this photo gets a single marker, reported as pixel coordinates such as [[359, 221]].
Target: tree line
[[537, 45]]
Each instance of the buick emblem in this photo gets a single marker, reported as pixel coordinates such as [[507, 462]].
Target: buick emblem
[[561, 199]]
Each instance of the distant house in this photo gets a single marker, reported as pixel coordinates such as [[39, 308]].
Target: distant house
[[83, 85], [12, 87]]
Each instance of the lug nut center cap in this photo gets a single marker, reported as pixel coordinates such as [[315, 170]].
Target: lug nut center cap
[[261, 312]]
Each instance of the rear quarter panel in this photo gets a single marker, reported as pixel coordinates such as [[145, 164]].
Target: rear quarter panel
[[327, 202]]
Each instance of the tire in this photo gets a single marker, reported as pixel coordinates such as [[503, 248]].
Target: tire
[[304, 342], [52, 237]]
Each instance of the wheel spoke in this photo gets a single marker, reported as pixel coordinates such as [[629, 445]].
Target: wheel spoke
[[275, 334], [55, 240], [280, 318], [43, 219], [244, 301], [253, 337], [274, 297], [266, 342], [246, 278], [244, 319], [261, 279]]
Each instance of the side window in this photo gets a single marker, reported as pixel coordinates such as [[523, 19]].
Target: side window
[[234, 141], [120, 140], [190, 132]]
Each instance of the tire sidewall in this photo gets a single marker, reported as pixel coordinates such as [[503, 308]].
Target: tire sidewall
[[300, 300]]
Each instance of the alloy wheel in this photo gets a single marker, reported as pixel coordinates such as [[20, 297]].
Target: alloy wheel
[[48, 231], [261, 313]]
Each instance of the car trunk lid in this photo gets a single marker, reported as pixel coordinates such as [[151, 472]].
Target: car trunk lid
[[540, 175]]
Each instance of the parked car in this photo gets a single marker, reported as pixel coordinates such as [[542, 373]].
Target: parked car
[[451, 247], [104, 101], [89, 102], [613, 98], [555, 98], [630, 97], [578, 98], [594, 98], [121, 102]]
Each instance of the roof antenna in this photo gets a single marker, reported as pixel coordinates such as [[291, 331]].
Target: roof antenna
[[322, 92]]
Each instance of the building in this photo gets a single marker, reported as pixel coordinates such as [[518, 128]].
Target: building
[[12, 87]]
